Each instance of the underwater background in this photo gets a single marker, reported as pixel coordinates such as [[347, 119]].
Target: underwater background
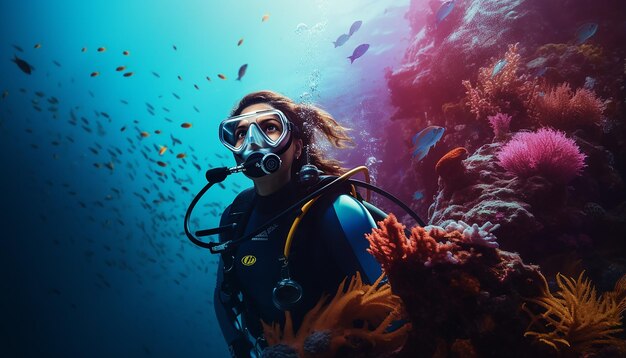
[[505, 114]]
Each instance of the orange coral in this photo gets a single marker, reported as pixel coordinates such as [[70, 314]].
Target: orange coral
[[503, 91], [450, 163], [565, 109], [579, 320], [332, 326]]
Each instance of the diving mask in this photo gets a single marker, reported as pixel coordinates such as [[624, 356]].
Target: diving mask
[[265, 131]]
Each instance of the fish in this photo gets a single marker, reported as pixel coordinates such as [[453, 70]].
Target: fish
[[84, 49], [418, 195], [180, 155], [208, 78], [109, 165], [125, 53], [156, 74], [174, 47], [358, 52], [221, 76], [23, 65], [162, 150], [265, 17], [585, 32], [128, 74], [196, 86], [240, 42], [175, 140], [18, 48], [355, 27], [242, 71], [175, 95], [498, 67], [123, 129], [101, 49], [144, 134], [124, 101], [444, 10], [341, 40], [161, 164], [186, 125], [94, 73], [37, 45], [426, 139], [39, 94], [195, 109], [56, 63], [120, 68], [157, 131]]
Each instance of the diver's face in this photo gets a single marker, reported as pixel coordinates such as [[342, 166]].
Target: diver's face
[[273, 129]]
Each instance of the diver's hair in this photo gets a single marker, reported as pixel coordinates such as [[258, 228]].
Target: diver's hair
[[307, 119]]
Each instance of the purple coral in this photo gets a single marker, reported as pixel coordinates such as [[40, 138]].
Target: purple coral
[[500, 124], [547, 153]]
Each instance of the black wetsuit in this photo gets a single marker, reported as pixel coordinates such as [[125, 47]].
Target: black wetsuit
[[328, 246]]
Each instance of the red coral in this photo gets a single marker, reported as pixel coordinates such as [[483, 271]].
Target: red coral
[[565, 109]]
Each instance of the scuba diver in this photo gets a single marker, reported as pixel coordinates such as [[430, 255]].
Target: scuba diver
[[298, 232]]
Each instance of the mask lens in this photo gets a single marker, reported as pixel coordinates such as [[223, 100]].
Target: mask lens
[[270, 125]]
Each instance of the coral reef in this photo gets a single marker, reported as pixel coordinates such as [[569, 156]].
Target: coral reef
[[460, 291], [329, 330], [500, 123], [450, 167], [577, 320], [546, 153]]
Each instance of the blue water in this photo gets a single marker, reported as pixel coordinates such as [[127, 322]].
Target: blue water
[[88, 269]]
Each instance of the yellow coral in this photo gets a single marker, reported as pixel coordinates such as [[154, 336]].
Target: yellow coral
[[579, 319], [374, 305]]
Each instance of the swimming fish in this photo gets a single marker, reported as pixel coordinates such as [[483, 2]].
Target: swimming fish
[[444, 10], [125, 53], [180, 156], [101, 49], [56, 63], [162, 150], [418, 195], [208, 78], [175, 140], [498, 67], [196, 87], [355, 27], [265, 17], [123, 129], [341, 40], [186, 125], [426, 139], [23, 65], [180, 78], [18, 48], [128, 74], [84, 49], [37, 46], [157, 131], [174, 47], [156, 74], [175, 95], [161, 164], [242, 71], [221, 76], [94, 74], [358, 52], [240, 42], [120, 68], [144, 134], [585, 32]]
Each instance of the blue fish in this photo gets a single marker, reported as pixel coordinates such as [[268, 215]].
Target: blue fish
[[358, 52], [341, 40], [498, 67], [418, 195], [444, 10], [426, 139], [355, 27], [585, 32]]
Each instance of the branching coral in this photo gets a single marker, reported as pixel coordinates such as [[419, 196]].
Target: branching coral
[[327, 328], [565, 109], [576, 318], [500, 89], [500, 123], [547, 153]]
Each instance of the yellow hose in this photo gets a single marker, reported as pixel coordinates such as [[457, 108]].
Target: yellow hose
[[305, 208]]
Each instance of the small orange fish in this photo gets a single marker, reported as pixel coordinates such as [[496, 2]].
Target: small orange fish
[[125, 53], [123, 129], [84, 49], [221, 76], [120, 68], [95, 73], [186, 125], [196, 86], [162, 150], [240, 42], [101, 49], [128, 74], [181, 155], [180, 78], [265, 17], [37, 45], [145, 134], [157, 131], [162, 164]]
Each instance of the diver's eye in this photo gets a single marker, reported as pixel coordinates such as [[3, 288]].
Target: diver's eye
[[271, 128], [240, 134]]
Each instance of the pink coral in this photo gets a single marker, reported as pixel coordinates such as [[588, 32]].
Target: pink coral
[[565, 109], [500, 123], [547, 153]]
